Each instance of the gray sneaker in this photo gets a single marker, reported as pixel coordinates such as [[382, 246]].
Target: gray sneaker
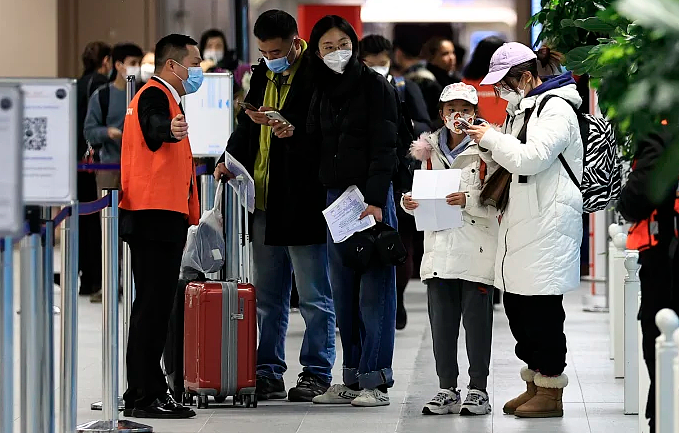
[[476, 403]]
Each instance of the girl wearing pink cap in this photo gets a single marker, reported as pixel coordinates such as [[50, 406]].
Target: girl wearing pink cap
[[457, 265], [538, 254]]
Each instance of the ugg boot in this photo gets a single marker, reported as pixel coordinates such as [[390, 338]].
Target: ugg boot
[[547, 402], [527, 375]]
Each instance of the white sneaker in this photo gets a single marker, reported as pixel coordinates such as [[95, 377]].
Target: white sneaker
[[337, 394], [371, 398], [445, 402], [476, 403]]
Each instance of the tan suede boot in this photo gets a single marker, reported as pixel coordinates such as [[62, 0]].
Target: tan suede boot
[[527, 376], [547, 402]]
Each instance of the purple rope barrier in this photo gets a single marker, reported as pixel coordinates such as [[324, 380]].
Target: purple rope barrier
[[200, 169]]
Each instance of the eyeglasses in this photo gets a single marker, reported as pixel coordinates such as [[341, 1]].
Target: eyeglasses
[[327, 49], [502, 86]]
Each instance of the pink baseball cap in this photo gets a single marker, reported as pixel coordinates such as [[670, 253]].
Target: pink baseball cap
[[508, 55]]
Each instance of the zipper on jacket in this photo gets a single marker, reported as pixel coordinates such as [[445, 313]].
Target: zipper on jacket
[[504, 283]]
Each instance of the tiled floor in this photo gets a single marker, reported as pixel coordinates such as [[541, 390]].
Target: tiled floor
[[593, 400]]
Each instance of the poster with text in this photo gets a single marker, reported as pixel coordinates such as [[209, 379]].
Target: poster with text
[[209, 113], [49, 141]]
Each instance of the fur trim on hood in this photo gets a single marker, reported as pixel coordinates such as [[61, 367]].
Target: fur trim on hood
[[421, 149]]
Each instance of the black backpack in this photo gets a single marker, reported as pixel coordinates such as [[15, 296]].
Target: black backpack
[[403, 177], [602, 170]]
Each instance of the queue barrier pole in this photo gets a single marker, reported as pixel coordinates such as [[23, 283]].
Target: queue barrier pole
[[110, 402], [128, 290], [631, 348], [7, 337], [32, 334], [46, 322], [666, 352], [69, 322]]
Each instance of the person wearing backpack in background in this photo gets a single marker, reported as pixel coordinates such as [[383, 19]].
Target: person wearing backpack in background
[[376, 51], [103, 128], [107, 109], [538, 254], [458, 263], [655, 235]]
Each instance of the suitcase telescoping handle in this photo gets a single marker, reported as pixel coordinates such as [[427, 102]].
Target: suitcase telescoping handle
[[243, 232]]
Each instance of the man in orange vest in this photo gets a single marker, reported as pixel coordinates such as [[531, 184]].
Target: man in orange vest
[[654, 235], [159, 201]]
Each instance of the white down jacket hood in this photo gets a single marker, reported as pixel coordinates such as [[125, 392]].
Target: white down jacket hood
[[468, 252], [541, 229]]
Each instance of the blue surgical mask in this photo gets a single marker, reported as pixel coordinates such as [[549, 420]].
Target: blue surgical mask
[[280, 65], [194, 80]]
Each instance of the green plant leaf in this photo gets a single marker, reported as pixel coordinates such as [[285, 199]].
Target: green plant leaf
[[594, 24]]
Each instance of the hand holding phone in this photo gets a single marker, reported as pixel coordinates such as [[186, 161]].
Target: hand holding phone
[[464, 125]]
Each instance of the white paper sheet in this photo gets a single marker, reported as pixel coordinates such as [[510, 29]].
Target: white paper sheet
[[342, 215], [430, 188], [238, 169]]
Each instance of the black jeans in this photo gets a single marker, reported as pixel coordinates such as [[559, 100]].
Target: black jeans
[[155, 265], [536, 323], [89, 238]]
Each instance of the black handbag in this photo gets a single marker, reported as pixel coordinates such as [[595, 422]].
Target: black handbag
[[378, 245]]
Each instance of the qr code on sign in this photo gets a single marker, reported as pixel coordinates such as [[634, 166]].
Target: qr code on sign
[[35, 133]]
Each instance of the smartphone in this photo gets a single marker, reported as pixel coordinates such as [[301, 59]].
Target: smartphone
[[464, 124], [247, 106], [275, 115]]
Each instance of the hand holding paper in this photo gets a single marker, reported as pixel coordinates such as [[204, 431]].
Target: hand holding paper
[[237, 169], [343, 215]]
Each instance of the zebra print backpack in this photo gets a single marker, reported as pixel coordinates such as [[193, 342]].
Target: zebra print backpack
[[602, 175]]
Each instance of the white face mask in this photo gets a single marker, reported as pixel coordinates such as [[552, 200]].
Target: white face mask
[[453, 124], [513, 98], [382, 70], [147, 71], [214, 55], [337, 60], [133, 70]]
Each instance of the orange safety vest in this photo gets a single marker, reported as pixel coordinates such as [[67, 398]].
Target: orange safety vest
[[644, 234], [162, 180]]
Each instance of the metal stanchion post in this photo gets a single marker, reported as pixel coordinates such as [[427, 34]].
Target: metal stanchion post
[[128, 299], [68, 385], [32, 335], [7, 338], [46, 302], [110, 403]]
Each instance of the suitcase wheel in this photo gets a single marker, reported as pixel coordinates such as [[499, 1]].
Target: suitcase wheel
[[220, 399], [187, 399], [248, 401], [254, 400], [202, 402]]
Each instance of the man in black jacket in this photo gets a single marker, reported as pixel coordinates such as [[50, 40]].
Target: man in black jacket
[[407, 60], [654, 235], [288, 228], [97, 65]]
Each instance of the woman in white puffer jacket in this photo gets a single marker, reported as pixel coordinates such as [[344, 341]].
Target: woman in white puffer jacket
[[538, 256], [458, 263]]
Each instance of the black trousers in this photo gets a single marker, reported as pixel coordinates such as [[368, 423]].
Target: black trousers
[[536, 323], [89, 239], [404, 272], [155, 265], [656, 281]]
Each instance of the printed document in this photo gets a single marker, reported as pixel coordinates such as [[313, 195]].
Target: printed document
[[430, 188], [238, 169], [342, 215]]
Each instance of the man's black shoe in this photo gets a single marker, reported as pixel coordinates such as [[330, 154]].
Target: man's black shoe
[[308, 387], [270, 389], [170, 401], [401, 317], [163, 410]]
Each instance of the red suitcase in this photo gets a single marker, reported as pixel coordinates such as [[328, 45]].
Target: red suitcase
[[220, 335]]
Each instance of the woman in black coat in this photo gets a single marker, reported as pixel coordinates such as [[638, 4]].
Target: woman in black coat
[[354, 114]]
